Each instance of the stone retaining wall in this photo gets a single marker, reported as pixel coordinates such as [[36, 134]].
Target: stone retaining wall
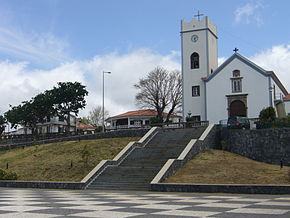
[[210, 188], [47, 185], [265, 145]]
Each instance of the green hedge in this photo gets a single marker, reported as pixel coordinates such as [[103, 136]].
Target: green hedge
[[278, 123]]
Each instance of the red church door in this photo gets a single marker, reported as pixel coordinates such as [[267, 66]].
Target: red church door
[[238, 109]]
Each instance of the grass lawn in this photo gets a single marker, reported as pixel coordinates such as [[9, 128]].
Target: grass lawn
[[221, 167], [52, 162]]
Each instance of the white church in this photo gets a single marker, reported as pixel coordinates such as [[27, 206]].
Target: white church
[[238, 87]]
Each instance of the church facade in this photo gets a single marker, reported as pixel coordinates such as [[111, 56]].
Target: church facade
[[238, 87]]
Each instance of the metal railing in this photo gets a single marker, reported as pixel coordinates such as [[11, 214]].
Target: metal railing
[[191, 124]]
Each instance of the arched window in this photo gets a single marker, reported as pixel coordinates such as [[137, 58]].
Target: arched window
[[194, 61]]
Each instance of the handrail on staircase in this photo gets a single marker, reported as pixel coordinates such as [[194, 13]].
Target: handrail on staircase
[[190, 124]]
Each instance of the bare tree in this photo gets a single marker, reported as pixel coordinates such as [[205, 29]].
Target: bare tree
[[175, 92], [96, 116], [160, 90]]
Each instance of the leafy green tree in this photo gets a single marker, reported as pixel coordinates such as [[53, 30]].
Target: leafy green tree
[[2, 124], [67, 98], [15, 116], [85, 120], [29, 113]]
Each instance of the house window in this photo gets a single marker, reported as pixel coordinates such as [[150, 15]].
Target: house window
[[194, 61], [195, 91]]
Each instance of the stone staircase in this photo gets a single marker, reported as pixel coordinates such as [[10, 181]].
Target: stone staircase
[[138, 169]]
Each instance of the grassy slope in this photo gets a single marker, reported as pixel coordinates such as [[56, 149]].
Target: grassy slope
[[219, 167], [52, 162]]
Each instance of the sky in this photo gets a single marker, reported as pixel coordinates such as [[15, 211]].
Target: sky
[[43, 42]]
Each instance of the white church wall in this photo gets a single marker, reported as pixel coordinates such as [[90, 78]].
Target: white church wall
[[254, 84]]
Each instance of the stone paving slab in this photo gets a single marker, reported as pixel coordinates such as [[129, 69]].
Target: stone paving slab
[[91, 203]]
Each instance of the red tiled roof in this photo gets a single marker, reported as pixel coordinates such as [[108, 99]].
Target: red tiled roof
[[84, 126], [147, 112], [287, 97]]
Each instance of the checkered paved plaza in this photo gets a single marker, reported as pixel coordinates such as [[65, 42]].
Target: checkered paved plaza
[[87, 203]]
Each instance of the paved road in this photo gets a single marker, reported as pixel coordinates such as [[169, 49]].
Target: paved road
[[87, 203]]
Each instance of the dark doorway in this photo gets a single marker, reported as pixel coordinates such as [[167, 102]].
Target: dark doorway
[[238, 109]]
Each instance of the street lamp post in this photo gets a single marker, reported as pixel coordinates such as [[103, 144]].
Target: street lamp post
[[103, 108]]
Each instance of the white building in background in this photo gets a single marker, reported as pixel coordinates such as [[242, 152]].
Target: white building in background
[[135, 119], [55, 124], [238, 87]]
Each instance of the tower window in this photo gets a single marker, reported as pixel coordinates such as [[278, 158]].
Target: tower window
[[194, 61], [195, 91]]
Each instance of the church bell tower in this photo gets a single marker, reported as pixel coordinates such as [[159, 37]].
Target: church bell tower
[[199, 60]]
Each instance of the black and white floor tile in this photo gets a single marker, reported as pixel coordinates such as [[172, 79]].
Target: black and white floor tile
[[86, 203]]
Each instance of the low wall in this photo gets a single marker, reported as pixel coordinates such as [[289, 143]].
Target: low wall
[[111, 134], [47, 185], [220, 188], [265, 145]]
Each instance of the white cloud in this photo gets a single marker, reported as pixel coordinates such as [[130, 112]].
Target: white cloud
[[276, 59], [17, 83], [221, 60], [41, 48], [249, 13]]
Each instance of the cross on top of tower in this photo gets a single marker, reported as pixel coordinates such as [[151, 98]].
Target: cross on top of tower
[[198, 15], [236, 50]]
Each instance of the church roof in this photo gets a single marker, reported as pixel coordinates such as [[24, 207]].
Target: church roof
[[241, 58], [250, 64]]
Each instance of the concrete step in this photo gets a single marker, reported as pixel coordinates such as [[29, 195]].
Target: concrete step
[[140, 167]]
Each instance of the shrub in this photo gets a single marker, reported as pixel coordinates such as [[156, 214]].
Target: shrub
[[99, 129], [155, 120], [268, 114], [7, 175]]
